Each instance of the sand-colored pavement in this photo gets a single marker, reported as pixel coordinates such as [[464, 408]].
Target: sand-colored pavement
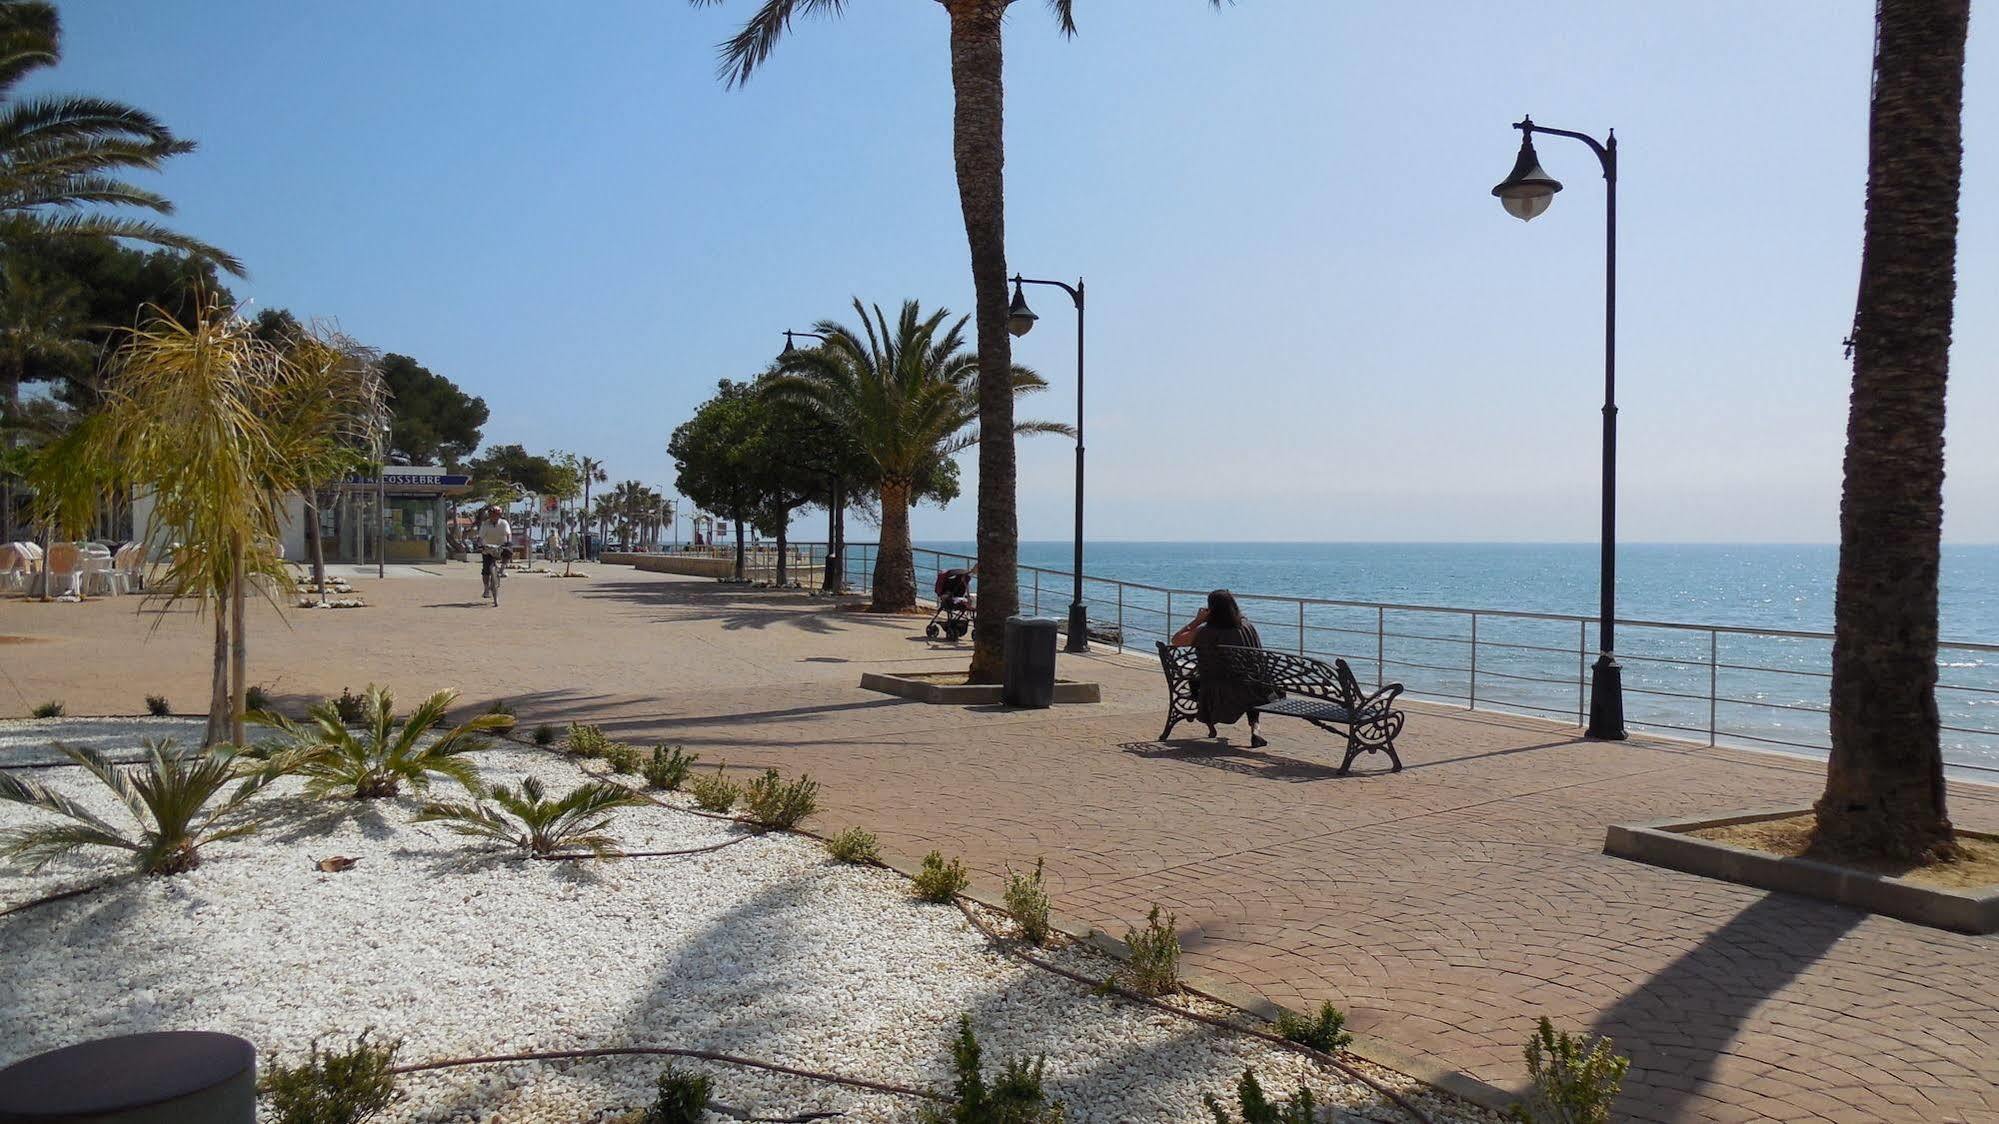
[[1445, 907]]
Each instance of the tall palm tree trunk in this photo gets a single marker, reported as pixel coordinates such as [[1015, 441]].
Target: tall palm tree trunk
[[218, 692], [239, 647], [895, 565], [1884, 791], [979, 148], [315, 544]]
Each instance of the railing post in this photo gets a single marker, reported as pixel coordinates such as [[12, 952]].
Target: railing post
[[1037, 593], [1301, 628], [1168, 630], [1474, 662], [1713, 664], [1380, 645], [1582, 667], [1120, 617]]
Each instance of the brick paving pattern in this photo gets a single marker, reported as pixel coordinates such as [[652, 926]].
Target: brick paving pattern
[[1445, 907]]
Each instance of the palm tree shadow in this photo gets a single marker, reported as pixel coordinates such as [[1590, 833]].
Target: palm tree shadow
[[1677, 1024]]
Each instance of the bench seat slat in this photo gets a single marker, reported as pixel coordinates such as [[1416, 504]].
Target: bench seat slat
[[1307, 708]]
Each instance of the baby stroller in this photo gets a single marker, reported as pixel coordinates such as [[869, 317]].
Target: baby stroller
[[953, 617]]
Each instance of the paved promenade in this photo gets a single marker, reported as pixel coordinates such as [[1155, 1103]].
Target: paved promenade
[[1444, 908]]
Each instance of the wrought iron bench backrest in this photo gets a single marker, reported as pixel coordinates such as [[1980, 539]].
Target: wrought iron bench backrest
[[1299, 675], [1182, 667]]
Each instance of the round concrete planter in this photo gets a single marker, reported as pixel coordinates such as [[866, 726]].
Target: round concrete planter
[[167, 1077]]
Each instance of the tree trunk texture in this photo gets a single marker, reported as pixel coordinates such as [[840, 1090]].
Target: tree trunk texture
[[218, 692], [978, 144], [1884, 791], [895, 564], [315, 546], [742, 567], [10, 408], [829, 582], [239, 649]]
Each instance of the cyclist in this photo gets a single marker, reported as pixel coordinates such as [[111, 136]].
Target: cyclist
[[496, 546]]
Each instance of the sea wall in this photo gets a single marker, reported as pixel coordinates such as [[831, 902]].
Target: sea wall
[[693, 565]]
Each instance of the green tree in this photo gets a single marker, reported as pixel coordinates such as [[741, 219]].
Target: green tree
[[907, 396], [716, 456], [432, 420], [1884, 791], [60, 155], [328, 413], [979, 150], [39, 323]]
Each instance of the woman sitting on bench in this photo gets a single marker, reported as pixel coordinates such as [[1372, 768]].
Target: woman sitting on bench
[[1224, 699]]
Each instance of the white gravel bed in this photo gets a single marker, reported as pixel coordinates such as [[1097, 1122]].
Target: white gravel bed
[[28, 741], [765, 949]]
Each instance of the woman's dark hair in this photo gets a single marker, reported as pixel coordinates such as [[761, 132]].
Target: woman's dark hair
[[1223, 612]]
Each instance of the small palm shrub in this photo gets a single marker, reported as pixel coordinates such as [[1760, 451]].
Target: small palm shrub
[[158, 707], [716, 793], [170, 795], [667, 767], [623, 758], [544, 735], [853, 846], [775, 803], [1027, 903], [501, 706], [49, 709], [528, 820], [1258, 1109], [1573, 1080], [1326, 1031], [586, 740], [682, 1099], [351, 708], [256, 699], [378, 757], [1016, 1096], [939, 881], [1154, 967], [333, 1087]]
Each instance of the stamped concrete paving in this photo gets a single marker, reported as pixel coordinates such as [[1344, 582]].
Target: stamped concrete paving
[[1444, 907]]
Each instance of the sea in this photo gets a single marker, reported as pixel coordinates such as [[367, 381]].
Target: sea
[[1730, 674]]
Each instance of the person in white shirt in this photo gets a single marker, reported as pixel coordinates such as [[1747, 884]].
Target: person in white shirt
[[496, 541]]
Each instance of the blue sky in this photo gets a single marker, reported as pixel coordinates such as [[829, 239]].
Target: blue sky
[[1308, 320]]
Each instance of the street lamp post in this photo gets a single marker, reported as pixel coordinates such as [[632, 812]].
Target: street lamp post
[[1525, 193], [835, 578], [1020, 320]]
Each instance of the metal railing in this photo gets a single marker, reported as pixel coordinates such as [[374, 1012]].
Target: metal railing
[[1733, 685]]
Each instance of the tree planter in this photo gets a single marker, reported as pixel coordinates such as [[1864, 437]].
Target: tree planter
[[1667, 843], [950, 689]]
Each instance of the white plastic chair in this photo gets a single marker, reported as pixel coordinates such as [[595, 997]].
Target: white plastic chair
[[64, 563], [15, 566], [130, 564]]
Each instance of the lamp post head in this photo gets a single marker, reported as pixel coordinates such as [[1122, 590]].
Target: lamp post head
[[1527, 190], [1019, 318], [790, 352]]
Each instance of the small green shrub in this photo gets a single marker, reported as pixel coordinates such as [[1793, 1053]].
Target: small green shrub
[[501, 706], [1154, 967], [158, 706], [1325, 1031], [683, 1098], [176, 798], [586, 741], [1027, 903], [544, 735], [777, 803], [939, 881], [49, 709], [256, 699], [1016, 1096], [350, 708], [853, 846], [1574, 1079], [667, 767], [333, 1087], [526, 818], [715, 793], [1258, 1109], [623, 758]]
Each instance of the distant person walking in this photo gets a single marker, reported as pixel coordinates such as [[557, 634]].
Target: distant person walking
[[496, 546], [1223, 698]]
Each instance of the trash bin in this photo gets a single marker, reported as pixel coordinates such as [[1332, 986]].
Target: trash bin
[[1030, 662]]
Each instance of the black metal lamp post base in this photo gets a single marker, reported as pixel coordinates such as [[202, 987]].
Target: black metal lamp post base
[[1606, 700], [1079, 628]]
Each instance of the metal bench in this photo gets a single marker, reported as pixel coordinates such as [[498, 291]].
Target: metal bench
[[1183, 703], [1327, 697]]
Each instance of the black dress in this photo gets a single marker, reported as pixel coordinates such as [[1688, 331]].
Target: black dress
[[1223, 697]]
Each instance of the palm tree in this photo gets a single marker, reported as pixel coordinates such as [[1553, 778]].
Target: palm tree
[[592, 471], [1884, 793], [190, 412], [330, 411], [979, 150], [909, 398], [61, 153]]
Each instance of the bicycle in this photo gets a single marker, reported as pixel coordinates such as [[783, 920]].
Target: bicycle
[[493, 572]]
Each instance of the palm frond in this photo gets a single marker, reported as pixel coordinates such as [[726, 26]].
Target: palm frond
[[748, 48], [37, 847], [21, 226]]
